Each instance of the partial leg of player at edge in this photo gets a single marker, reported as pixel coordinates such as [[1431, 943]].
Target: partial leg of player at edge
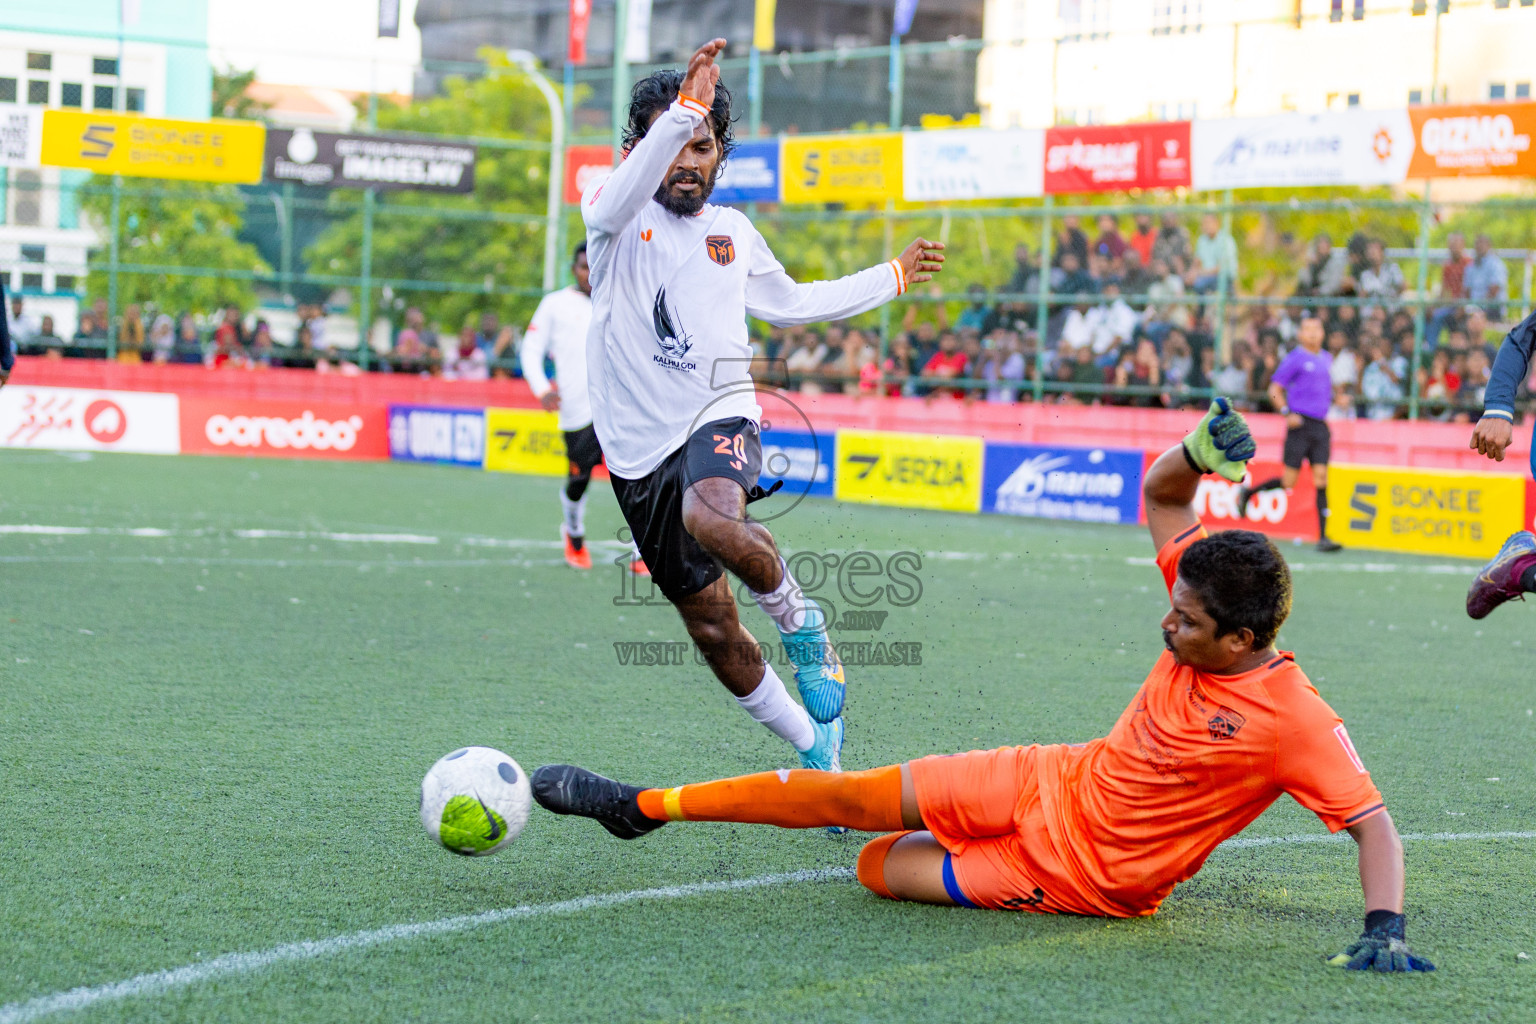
[[674, 279], [1511, 574], [1108, 827]]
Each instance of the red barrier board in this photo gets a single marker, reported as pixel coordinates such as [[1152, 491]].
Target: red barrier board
[[1276, 513], [293, 430], [1110, 158], [582, 164]]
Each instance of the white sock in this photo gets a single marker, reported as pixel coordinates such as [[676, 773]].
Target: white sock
[[785, 605], [575, 513], [770, 705]]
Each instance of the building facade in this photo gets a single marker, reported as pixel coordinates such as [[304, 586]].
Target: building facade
[[69, 56], [1107, 61]]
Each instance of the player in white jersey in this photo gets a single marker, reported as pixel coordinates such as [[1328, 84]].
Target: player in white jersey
[[673, 281], [559, 331]]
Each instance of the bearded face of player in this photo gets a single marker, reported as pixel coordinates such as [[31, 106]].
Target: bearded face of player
[[1189, 633], [691, 178]]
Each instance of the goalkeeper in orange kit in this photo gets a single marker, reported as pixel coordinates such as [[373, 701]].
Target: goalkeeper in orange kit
[[1222, 726]]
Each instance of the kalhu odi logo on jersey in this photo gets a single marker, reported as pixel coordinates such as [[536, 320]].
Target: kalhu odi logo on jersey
[[721, 249], [674, 341]]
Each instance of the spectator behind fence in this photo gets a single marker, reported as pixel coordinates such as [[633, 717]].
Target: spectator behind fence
[[898, 367], [1172, 245], [948, 362], [1452, 286], [1164, 309], [260, 351], [130, 335], [1143, 238], [977, 316], [1381, 383], [1215, 255], [412, 352], [1380, 280], [22, 325], [162, 339], [468, 361], [1345, 368], [1487, 279], [1326, 274], [490, 329], [189, 341], [1110, 245], [1070, 240], [1022, 280]]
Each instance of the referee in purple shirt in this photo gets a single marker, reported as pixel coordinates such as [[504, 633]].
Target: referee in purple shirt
[[1302, 389]]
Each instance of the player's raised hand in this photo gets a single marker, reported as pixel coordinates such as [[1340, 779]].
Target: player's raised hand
[[1221, 442], [699, 81], [1492, 436], [922, 261], [1381, 947]]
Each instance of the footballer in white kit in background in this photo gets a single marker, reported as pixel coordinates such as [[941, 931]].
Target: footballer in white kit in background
[[559, 331], [673, 281]]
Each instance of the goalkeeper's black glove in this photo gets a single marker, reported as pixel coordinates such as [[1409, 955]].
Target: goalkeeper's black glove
[[1220, 443], [1381, 947]]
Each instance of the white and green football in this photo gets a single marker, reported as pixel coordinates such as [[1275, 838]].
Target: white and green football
[[475, 801]]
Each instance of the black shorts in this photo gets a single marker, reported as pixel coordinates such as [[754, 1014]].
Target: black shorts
[[653, 504], [1311, 442], [582, 450]]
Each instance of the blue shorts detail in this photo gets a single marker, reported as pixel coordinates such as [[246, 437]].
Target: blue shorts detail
[[952, 886]]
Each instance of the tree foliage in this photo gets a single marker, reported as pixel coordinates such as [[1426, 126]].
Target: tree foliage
[[458, 245], [181, 224], [229, 97]]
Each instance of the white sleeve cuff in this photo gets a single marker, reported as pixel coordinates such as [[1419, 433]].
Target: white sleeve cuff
[[692, 105]]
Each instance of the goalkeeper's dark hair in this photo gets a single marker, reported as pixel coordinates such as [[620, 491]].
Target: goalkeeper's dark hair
[[1242, 581], [656, 92], [581, 247]]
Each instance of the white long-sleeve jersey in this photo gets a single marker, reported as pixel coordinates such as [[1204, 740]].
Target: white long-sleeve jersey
[[668, 351], [559, 329]]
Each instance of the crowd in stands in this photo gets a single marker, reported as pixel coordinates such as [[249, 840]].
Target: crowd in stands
[[1130, 319]]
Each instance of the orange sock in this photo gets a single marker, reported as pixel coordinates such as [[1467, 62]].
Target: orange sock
[[871, 869], [869, 801]]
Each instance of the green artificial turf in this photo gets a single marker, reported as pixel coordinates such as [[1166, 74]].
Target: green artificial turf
[[212, 743]]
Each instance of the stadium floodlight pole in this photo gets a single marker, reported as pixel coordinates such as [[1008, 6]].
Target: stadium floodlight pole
[[619, 101], [529, 65]]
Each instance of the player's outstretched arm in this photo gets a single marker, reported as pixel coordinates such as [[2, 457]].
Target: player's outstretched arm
[[1220, 443], [620, 197], [775, 297], [1383, 945], [1493, 432]]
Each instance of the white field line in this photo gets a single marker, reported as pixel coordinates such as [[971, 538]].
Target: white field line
[[35, 529], [243, 963], [1425, 569], [156, 982]]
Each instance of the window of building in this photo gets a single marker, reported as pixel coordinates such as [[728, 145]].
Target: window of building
[[1522, 90], [104, 66], [133, 99], [1501, 5], [1084, 19], [1352, 100], [64, 282], [32, 282], [1415, 97], [34, 254], [1176, 16], [1335, 10], [26, 194], [104, 97], [39, 61], [37, 92], [1495, 90], [71, 94], [7, 90]]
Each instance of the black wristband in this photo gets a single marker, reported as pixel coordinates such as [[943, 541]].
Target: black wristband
[[1191, 460], [1385, 924]]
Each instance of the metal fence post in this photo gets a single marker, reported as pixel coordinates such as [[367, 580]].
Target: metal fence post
[[117, 192], [285, 259], [895, 82], [1222, 280], [1043, 289], [619, 101], [1426, 216]]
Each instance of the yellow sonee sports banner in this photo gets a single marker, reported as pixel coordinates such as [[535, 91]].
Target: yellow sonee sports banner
[[1425, 511], [909, 470], [524, 441], [842, 168], [152, 147]]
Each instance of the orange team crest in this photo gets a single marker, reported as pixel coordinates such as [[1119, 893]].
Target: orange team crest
[[721, 249]]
